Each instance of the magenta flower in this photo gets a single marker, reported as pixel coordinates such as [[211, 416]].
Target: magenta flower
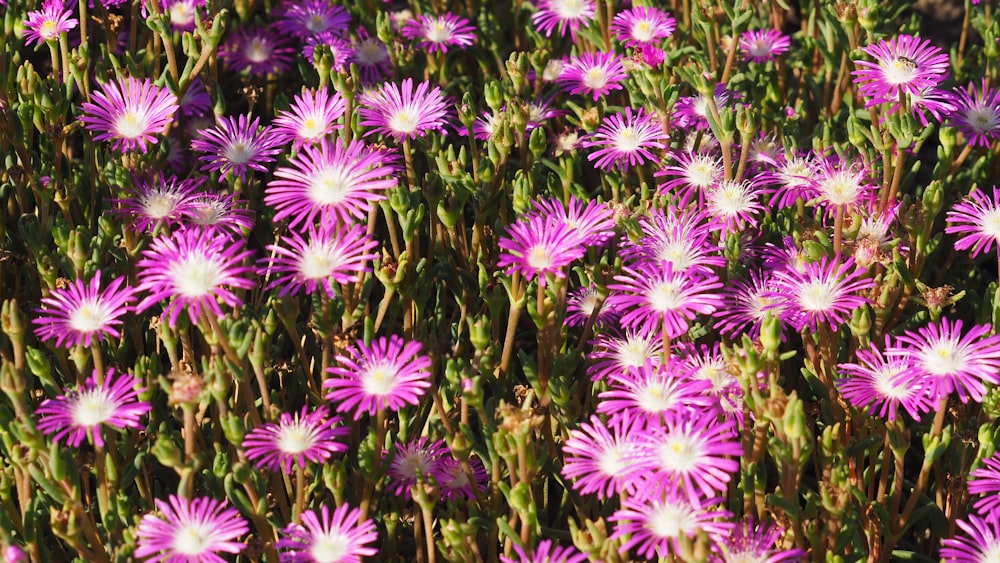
[[762, 45], [340, 49], [331, 253], [456, 484], [195, 270], [372, 58], [312, 116], [324, 537], [418, 460], [979, 544], [593, 221], [882, 384], [219, 211], [129, 113], [308, 18], [692, 111], [294, 440], [598, 454], [593, 74], [615, 355], [986, 481], [825, 291], [691, 175], [157, 201], [733, 205], [568, 16], [840, 182], [626, 140], [536, 247], [753, 541], [684, 241], [903, 65], [81, 314], [651, 294], [195, 102], [80, 413], [190, 531], [977, 114], [585, 303], [401, 111], [257, 50], [654, 391], [654, 526], [46, 24], [236, 145], [330, 182], [389, 374], [642, 25], [747, 305], [546, 551], [437, 33]]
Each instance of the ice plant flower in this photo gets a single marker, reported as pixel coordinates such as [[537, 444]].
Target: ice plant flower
[[986, 481], [654, 390], [598, 454], [82, 314], [456, 483], [883, 384], [824, 292], [735, 205], [616, 355], [546, 551], [537, 248], [257, 50], [390, 374], [190, 531], [194, 270], [593, 74], [903, 65], [328, 537], [651, 294], [130, 113], [402, 111], [626, 139], [308, 18], [157, 201], [340, 50], [762, 45], [979, 544], [46, 24], [977, 114], [312, 116], [568, 16], [654, 526], [372, 57], [331, 253], [218, 211], [437, 33], [840, 182], [330, 182], [642, 25], [236, 145], [418, 460], [80, 413], [593, 221], [585, 303], [294, 440], [754, 542]]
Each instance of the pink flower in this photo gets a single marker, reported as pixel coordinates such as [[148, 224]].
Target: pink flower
[[593, 74], [389, 374], [190, 531], [129, 113], [82, 314], [293, 440]]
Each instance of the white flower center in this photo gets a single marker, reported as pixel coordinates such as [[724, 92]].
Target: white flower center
[[642, 31], [570, 9], [438, 32], [379, 380], [404, 121], [656, 397], [841, 188], [665, 297], [817, 295], [612, 460], [330, 547], [92, 408], [195, 276], [295, 439], [890, 386], [257, 51], [899, 71], [627, 140], [181, 14], [312, 127], [193, 539], [329, 186], [701, 173], [730, 199], [989, 224], [90, 316], [239, 152], [318, 262], [316, 23], [634, 354], [983, 119], [669, 521], [131, 124], [539, 258], [595, 78], [759, 48], [679, 453], [943, 358], [370, 52]]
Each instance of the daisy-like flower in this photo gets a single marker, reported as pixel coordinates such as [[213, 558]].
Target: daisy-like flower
[[754, 542], [684, 241], [223, 211], [709, 365], [81, 313], [980, 544], [626, 139], [840, 182], [747, 306], [312, 116], [902, 65], [190, 531], [536, 248], [826, 291], [257, 50], [950, 360], [236, 145], [389, 374], [735, 205], [401, 111], [194, 269], [340, 50], [598, 454], [654, 526], [372, 57], [615, 355], [568, 16], [762, 45], [330, 181], [692, 111], [309, 18], [642, 25], [80, 413], [882, 384], [332, 253], [795, 176], [546, 552], [157, 201], [294, 440], [651, 294], [46, 24], [415, 461], [692, 174], [593, 74], [977, 114], [986, 481], [592, 221], [129, 113], [455, 482], [586, 302], [654, 391], [325, 537], [437, 33]]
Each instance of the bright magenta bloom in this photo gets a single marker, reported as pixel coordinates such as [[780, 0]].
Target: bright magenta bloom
[[566, 15], [293, 440], [654, 391], [642, 25], [903, 65], [340, 50], [753, 541], [400, 111], [627, 140], [332, 253], [649, 294], [81, 314], [825, 291], [615, 355], [593, 74], [330, 182], [219, 211], [536, 247], [80, 413], [372, 57], [654, 526], [194, 270], [762, 45], [190, 531], [325, 537], [986, 481], [129, 113], [46, 24], [979, 544], [312, 116], [157, 201], [684, 241], [883, 383], [236, 145], [599, 453], [437, 33], [389, 374], [308, 18], [546, 551], [593, 221], [977, 114], [420, 459], [259, 51]]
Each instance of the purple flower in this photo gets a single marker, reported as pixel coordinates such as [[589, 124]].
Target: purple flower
[[312, 116], [615, 355], [598, 454], [389, 374], [194, 269], [654, 390], [986, 481], [903, 65], [331, 253], [456, 483], [340, 49], [747, 305], [692, 111], [654, 526], [980, 544], [753, 541], [190, 531], [546, 551], [682, 240], [372, 57], [692, 174], [195, 102], [566, 15], [401, 111], [413, 462], [586, 302], [593, 221], [626, 140], [593, 74], [825, 291], [762, 45], [157, 201], [324, 537], [236, 145], [48, 23], [977, 219], [218, 211], [733, 205], [642, 25], [840, 182], [977, 114], [258, 50], [883, 383], [80, 413], [437, 33], [129, 113], [309, 18], [293, 440], [82, 314], [537, 247], [653, 293]]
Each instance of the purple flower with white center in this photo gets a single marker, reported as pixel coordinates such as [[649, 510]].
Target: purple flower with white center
[[598, 454], [194, 270], [157, 201], [654, 391], [545, 552], [48, 23], [456, 483], [977, 219], [691, 112], [977, 114], [219, 211], [312, 116], [883, 383], [330, 254], [684, 242], [372, 58], [733, 205], [537, 247], [308, 18], [986, 481], [195, 102], [651, 294], [585, 303], [794, 177], [566, 16], [642, 25], [903, 65], [80, 413], [762, 45], [418, 460], [130, 113], [827, 291], [979, 544], [751, 541], [295, 439], [708, 364], [593, 74], [841, 182], [402, 111], [592, 221], [325, 537], [339, 47], [626, 139], [747, 305], [190, 531], [236, 145], [183, 13], [390, 374], [617, 355], [437, 33], [257, 50], [330, 181], [81, 314], [654, 526], [692, 175]]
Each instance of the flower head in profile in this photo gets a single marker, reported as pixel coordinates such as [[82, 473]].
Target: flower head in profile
[[762, 45], [329, 254], [190, 531], [81, 314], [977, 114], [403, 111], [48, 23], [625, 139], [81, 413], [902, 65], [295, 439], [312, 116], [536, 247], [438, 33], [546, 551], [130, 113], [328, 537], [642, 25], [593, 74], [236, 145], [566, 16], [258, 50], [391, 373]]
